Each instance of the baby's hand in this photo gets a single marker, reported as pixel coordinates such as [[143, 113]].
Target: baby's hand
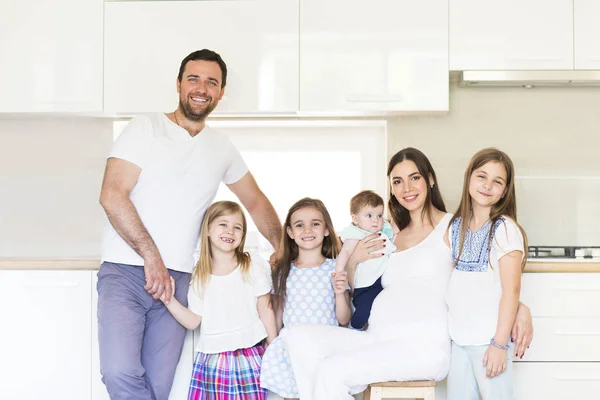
[[163, 298], [340, 282]]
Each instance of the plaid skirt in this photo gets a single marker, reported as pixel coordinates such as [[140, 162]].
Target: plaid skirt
[[228, 375]]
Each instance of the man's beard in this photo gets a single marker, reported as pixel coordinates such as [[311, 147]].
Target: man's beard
[[193, 115]]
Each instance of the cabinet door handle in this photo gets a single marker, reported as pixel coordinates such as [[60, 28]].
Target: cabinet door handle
[[577, 289], [64, 284], [374, 98], [534, 58], [576, 378], [567, 333]]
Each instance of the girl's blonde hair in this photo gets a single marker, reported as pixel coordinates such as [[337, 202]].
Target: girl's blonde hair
[[289, 249], [507, 205], [203, 270]]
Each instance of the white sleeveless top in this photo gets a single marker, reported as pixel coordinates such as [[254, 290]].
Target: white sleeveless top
[[414, 288]]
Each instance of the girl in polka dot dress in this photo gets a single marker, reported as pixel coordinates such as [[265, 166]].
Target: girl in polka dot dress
[[306, 288]]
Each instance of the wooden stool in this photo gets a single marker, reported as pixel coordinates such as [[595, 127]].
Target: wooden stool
[[401, 390]]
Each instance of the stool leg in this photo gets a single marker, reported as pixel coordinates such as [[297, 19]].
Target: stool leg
[[375, 393], [367, 393], [429, 394]]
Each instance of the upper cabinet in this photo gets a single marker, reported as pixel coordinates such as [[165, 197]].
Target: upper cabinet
[[387, 55], [146, 41], [51, 56], [513, 34], [587, 34]]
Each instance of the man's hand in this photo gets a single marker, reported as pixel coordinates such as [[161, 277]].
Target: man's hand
[[158, 280], [274, 257]]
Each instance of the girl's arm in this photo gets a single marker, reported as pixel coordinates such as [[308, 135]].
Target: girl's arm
[[343, 312], [510, 278], [279, 317], [267, 316], [183, 315], [342, 258]]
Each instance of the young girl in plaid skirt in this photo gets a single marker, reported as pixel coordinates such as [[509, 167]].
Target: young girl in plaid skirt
[[230, 295]]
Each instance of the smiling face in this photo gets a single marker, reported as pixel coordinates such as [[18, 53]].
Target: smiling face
[[226, 232], [409, 187], [487, 184], [307, 228], [200, 89], [369, 218]]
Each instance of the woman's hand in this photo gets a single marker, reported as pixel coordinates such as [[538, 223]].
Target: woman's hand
[[495, 361], [522, 331], [367, 248]]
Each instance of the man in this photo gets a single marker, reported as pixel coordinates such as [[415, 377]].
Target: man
[[162, 174]]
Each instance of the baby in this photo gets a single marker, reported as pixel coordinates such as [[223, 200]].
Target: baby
[[366, 209]]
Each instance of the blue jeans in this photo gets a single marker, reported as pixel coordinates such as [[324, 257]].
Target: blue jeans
[[140, 342], [467, 380]]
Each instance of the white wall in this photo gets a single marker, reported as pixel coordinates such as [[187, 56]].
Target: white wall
[[51, 169], [553, 137], [50, 176]]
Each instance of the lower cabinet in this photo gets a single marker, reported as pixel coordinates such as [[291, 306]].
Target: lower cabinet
[[563, 361], [45, 340], [557, 381]]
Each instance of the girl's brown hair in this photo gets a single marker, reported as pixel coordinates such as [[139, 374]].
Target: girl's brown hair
[[203, 270], [399, 214], [507, 205], [289, 248]]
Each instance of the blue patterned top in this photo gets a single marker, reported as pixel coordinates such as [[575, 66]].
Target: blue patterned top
[[310, 298], [476, 248]]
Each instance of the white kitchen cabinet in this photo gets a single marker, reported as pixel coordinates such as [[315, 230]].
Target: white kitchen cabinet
[[45, 336], [565, 340], [511, 34], [51, 55], [556, 381], [587, 33], [388, 55], [564, 295], [183, 373], [563, 361], [146, 41]]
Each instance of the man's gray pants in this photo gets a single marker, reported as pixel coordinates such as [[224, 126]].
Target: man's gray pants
[[140, 342]]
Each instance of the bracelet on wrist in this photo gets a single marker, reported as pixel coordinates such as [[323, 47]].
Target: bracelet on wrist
[[493, 343]]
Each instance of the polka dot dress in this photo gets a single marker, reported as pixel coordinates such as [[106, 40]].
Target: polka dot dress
[[310, 300]]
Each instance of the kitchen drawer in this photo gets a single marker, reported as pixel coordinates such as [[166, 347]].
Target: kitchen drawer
[[557, 381], [562, 295], [565, 339]]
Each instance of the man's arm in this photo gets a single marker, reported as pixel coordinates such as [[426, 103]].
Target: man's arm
[[120, 177], [262, 212]]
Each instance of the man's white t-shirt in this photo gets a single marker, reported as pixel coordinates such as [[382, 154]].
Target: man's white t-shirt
[[179, 180], [230, 319]]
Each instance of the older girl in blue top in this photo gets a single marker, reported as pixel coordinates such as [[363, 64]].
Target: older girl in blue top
[[489, 248]]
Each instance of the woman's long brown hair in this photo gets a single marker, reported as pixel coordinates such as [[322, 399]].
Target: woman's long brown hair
[[202, 272], [507, 205], [399, 214], [289, 248]]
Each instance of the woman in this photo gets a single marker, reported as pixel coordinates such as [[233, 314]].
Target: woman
[[407, 337]]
